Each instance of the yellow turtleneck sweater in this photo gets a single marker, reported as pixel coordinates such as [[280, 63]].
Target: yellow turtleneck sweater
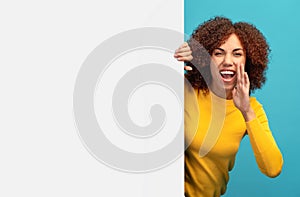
[[214, 128]]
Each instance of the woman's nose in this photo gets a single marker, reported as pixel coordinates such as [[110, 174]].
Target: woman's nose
[[228, 60]]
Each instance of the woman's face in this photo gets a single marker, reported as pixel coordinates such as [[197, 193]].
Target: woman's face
[[225, 60]]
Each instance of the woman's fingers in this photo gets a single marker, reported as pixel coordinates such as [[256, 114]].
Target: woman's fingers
[[238, 74], [184, 45], [243, 82], [184, 56], [188, 68], [241, 92], [183, 53], [247, 81], [183, 48], [242, 75]]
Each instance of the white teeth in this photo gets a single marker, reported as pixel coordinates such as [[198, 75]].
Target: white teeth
[[227, 72]]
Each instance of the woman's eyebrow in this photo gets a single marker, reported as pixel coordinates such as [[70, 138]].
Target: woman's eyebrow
[[237, 49], [234, 50], [220, 49]]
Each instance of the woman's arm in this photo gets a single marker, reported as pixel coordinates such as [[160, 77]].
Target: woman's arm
[[267, 154], [266, 151]]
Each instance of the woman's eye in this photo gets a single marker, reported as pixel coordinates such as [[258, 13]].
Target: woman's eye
[[237, 54], [218, 54]]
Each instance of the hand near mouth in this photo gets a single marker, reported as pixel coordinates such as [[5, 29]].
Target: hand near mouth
[[240, 94]]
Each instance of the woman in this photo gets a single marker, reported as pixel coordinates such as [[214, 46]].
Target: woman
[[221, 84]]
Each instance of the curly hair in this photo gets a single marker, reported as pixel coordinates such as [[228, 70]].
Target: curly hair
[[211, 35]]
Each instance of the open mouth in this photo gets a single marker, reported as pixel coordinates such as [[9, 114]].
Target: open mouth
[[227, 75]]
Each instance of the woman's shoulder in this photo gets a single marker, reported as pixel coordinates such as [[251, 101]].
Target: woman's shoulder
[[255, 104]]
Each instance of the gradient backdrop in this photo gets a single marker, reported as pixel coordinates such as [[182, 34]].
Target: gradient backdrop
[[279, 21]]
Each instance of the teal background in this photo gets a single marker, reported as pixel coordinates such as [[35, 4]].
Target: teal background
[[279, 21]]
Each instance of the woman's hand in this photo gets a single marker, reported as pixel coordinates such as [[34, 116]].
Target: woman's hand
[[184, 53], [240, 94]]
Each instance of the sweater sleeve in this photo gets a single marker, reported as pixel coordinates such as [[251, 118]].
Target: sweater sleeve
[[266, 151]]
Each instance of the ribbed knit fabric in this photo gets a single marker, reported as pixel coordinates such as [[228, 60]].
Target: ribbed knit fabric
[[214, 128]]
